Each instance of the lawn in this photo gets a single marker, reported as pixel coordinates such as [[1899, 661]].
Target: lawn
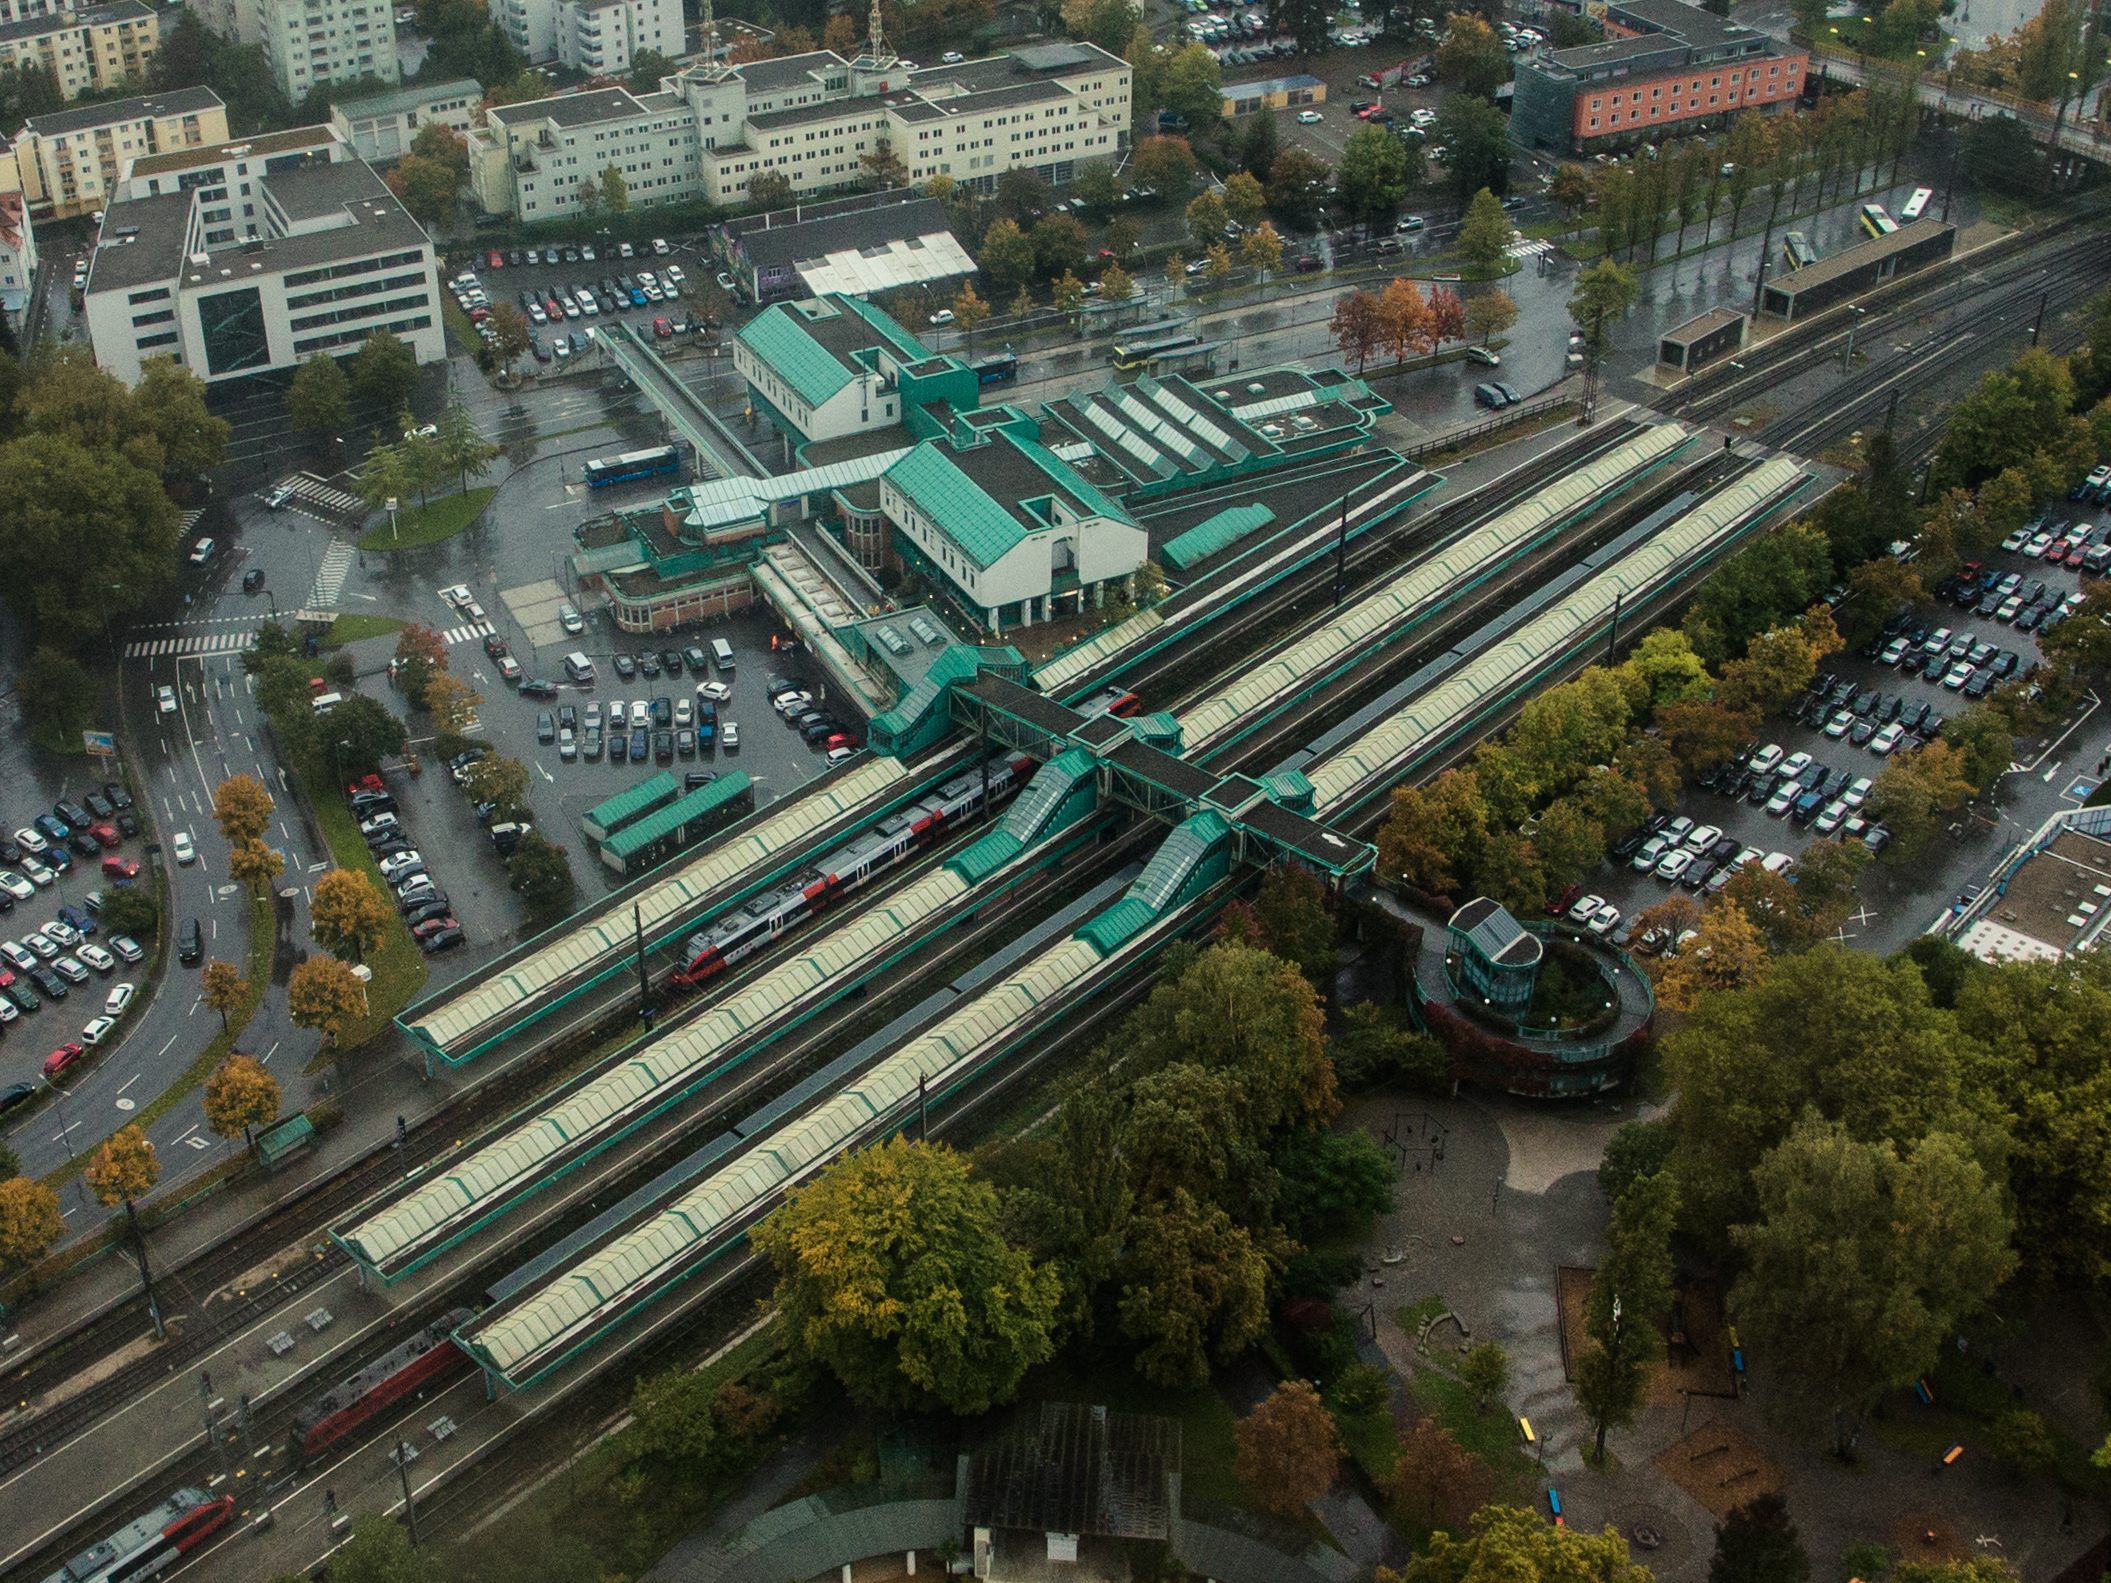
[[430, 523], [398, 966], [351, 629]]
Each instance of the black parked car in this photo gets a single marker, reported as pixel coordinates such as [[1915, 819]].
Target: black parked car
[[648, 666], [671, 659], [626, 667], [538, 688], [99, 805]]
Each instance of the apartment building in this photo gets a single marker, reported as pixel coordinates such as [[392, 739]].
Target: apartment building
[[243, 258], [381, 126], [1665, 69], [86, 51], [71, 160], [599, 37], [18, 242], [311, 43], [813, 119]]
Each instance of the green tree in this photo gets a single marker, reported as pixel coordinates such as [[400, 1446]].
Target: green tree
[[71, 507], [1603, 293], [384, 372], [58, 698], [893, 1273], [169, 403], [1194, 1291], [1862, 1259], [540, 875], [1292, 911], [1377, 1047], [1007, 257], [1758, 1544], [129, 909], [1519, 1546], [362, 733], [1915, 790], [1166, 165], [1058, 244], [1193, 86], [1476, 139], [1372, 176], [1489, 313], [1331, 1181], [380, 1551], [647, 67], [1630, 1294], [458, 448], [320, 397], [1244, 199], [1207, 219], [509, 336], [768, 190], [428, 188], [1471, 57], [1297, 188], [1486, 1370]]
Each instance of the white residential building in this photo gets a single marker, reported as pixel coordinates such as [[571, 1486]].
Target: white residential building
[[242, 259], [18, 242], [599, 37], [380, 127], [71, 159], [311, 43], [86, 51], [813, 119]]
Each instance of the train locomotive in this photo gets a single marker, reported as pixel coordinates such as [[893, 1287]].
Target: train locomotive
[[426, 1358], [830, 878], [150, 1546]]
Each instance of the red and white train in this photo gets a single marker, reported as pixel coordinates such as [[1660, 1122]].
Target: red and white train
[[149, 1547], [427, 1358], [815, 889]]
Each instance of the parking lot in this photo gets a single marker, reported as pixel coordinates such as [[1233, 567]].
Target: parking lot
[[564, 291], [1848, 737]]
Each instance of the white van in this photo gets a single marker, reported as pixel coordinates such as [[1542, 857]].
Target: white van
[[579, 668], [722, 654], [326, 702]]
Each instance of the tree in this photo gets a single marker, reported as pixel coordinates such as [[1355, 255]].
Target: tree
[[1375, 1048], [1287, 1450], [1604, 291], [240, 1095], [1861, 1261], [380, 1551], [384, 372], [1067, 294], [1358, 325], [421, 653], [169, 403], [242, 808], [969, 310], [1570, 190], [1195, 1290], [1297, 187], [894, 1274], [1261, 250], [59, 699], [509, 335], [349, 916], [1059, 244], [500, 780], [1291, 908], [1216, 265], [223, 989], [1207, 219], [1244, 200], [1486, 1370], [1166, 165], [426, 187], [30, 1222], [1484, 234], [1630, 1294], [1759, 1545], [1913, 792], [362, 734], [73, 505], [1372, 176], [324, 994], [881, 167], [1489, 313], [129, 909], [320, 397], [1437, 1480], [649, 66], [451, 702], [254, 864], [460, 449], [769, 189], [2019, 1440], [1472, 57], [1193, 86], [1116, 284], [1259, 143], [124, 1169], [1007, 257], [1476, 137], [540, 875], [1519, 1546]]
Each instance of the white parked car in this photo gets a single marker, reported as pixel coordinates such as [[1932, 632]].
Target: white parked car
[[29, 841], [1646, 857], [729, 736], [98, 1029], [457, 596], [180, 844], [402, 863], [1701, 837], [717, 692], [64, 933], [1584, 907], [96, 957], [1309, 118], [16, 886], [568, 618], [1673, 864], [1604, 921], [1887, 739]]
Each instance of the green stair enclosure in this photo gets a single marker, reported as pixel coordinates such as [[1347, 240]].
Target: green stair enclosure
[[1063, 791], [628, 807], [1289, 789], [923, 715], [1192, 858], [1217, 534], [640, 845]]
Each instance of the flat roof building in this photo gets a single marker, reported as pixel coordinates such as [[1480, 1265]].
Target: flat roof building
[[815, 119], [867, 249], [314, 258], [1665, 69], [71, 160], [1692, 346], [1273, 93], [1914, 245], [837, 365], [2051, 901], [380, 127]]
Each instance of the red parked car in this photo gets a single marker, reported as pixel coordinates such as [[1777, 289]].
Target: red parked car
[[121, 867], [61, 1058], [365, 783], [105, 833]]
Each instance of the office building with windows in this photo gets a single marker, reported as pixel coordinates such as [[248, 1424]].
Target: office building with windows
[[816, 120], [599, 37], [380, 128], [248, 257], [86, 51], [1665, 69], [71, 160]]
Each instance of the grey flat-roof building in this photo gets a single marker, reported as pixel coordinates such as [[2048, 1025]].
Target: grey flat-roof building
[[1914, 245], [1698, 342]]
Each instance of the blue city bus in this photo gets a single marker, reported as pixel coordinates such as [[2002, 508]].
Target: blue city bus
[[632, 465], [1000, 369]]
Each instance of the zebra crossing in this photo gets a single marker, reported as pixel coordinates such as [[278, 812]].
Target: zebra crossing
[[1529, 247], [311, 497], [475, 629], [195, 645], [330, 576]]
